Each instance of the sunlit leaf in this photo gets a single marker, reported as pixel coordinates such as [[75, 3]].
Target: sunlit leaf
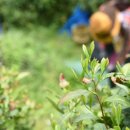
[[97, 68], [91, 48], [22, 75], [85, 51], [117, 128], [104, 64], [94, 62], [127, 128]]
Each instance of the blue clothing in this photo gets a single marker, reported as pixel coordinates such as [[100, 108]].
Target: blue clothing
[[78, 17]]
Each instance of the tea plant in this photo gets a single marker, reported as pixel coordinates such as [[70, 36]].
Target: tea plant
[[95, 106], [15, 106]]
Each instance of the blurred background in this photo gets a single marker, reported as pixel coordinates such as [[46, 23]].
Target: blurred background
[[36, 37]]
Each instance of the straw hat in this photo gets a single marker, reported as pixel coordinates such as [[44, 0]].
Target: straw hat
[[105, 25]]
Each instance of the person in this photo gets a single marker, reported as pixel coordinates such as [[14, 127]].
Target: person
[[110, 27], [77, 25], [119, 4]]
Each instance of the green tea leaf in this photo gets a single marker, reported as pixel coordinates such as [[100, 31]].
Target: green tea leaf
[[91, 48], [117, 128], [76, 76], [85, 51], [85, 64], [105, 76], [55, 105], [104, 64], [14, 113], [99, 126], [125, 88], [116, 114], [117, 99], [97, 68], [94, 62], [84, 116], [72, 95], [57, 127], [22, 75], [119, 68], [126, 69], [127, 128]]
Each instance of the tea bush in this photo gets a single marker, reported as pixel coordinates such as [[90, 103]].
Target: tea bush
[[39, 54], [95, 106], [26, 12], [15, 106]]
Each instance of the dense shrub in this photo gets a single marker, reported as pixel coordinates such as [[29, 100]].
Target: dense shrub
[[15, 106], [25, 12], [95, 106], [91, 5]]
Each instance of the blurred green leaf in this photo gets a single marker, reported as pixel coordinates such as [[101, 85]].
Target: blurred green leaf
[[97, 68], [119, 68], [22, 75], [117, 99], [127, 128], [73, 95], [99, 126], [125, 88], [55, 105], [116, 114], [117, 128], [104, 64], [94, 63], [14, 113], [76, 76], [107, 75], [91, 48], [84, 116], [85, 51], [125, 69]]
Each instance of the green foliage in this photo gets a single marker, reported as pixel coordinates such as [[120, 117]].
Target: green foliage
[[39, 51], [15, 106], [91, 5], [95, 106], [25, 12]]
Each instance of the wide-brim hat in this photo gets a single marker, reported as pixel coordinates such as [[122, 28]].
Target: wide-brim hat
[[103, 27]]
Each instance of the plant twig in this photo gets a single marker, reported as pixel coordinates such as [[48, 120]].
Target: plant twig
[[101, 106]]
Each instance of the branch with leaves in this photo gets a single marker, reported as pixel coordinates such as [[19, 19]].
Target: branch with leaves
[[95, 106]]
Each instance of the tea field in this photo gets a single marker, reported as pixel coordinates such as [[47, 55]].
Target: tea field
[[44, 53]]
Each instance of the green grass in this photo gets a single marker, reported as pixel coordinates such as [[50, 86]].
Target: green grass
[[44, 54]]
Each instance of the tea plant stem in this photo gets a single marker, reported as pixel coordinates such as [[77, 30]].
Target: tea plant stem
[[103, 115], [100, 103]]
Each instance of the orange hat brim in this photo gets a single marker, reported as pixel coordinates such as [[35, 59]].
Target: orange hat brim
[[114, 32]]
